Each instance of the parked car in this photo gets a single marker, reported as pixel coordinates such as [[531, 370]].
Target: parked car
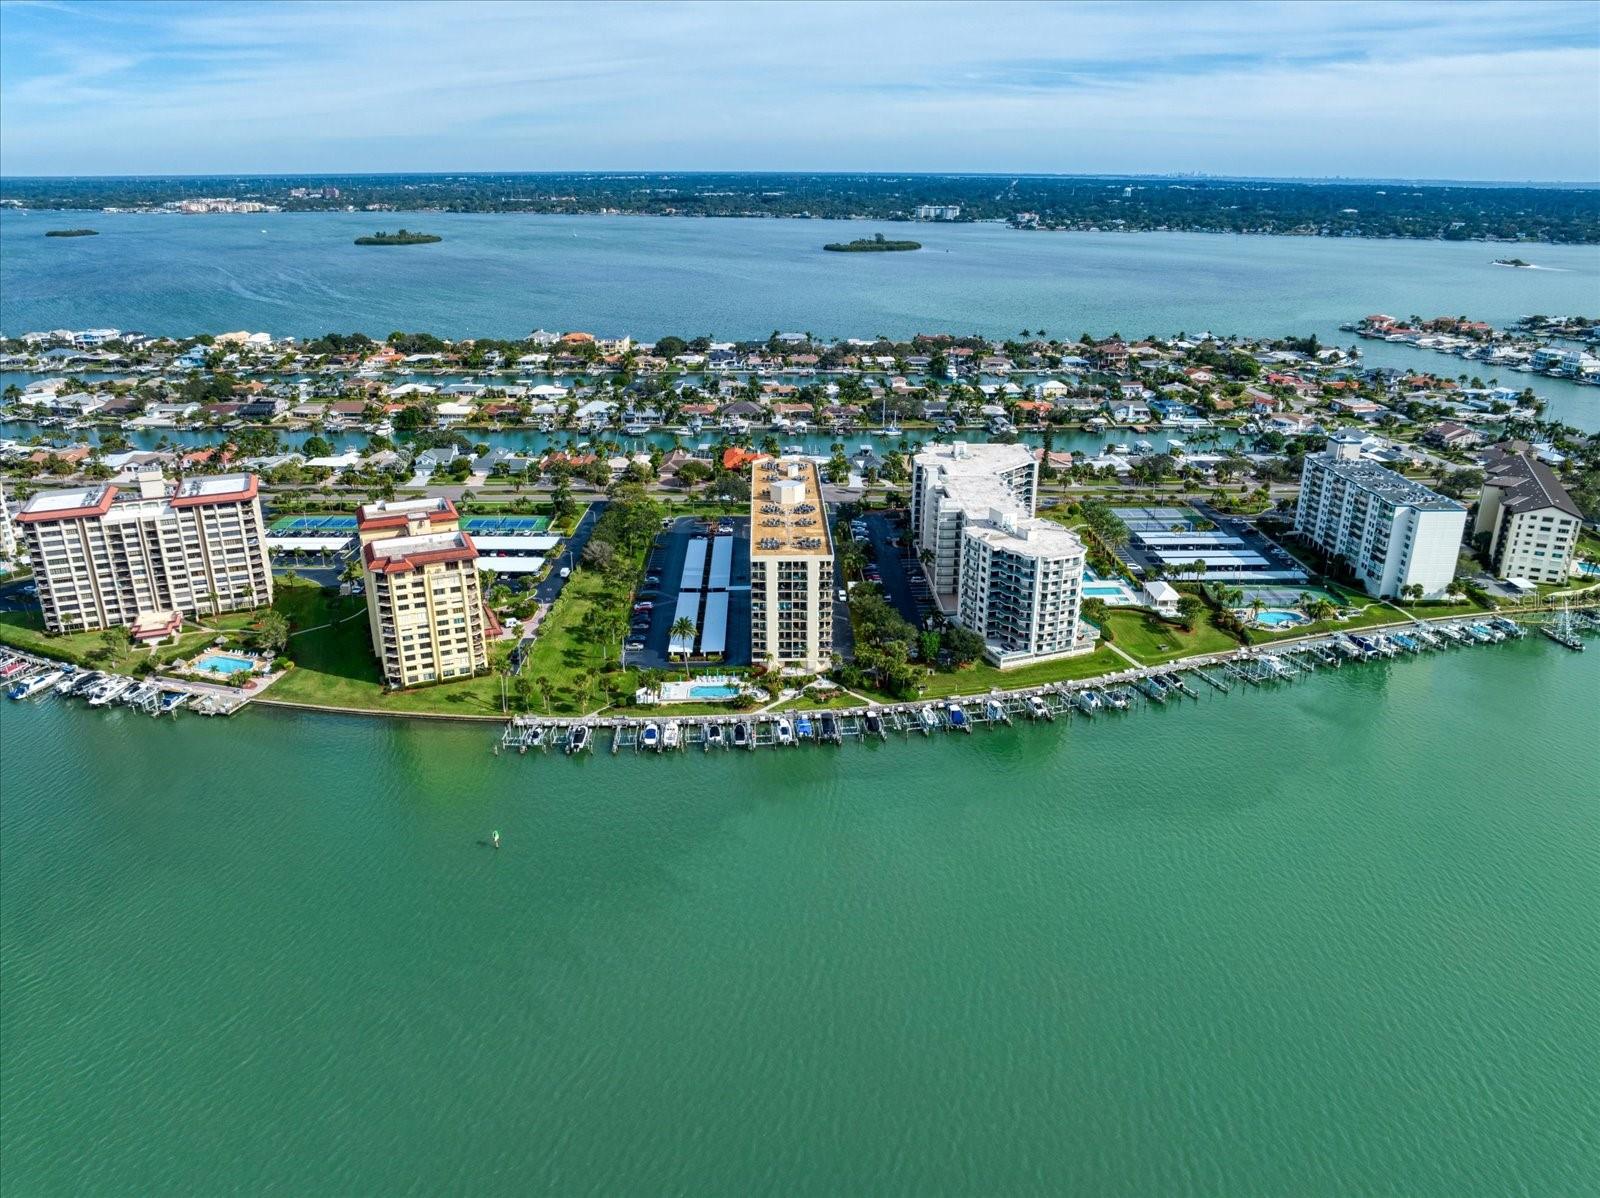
[[634, 645], [644, 605]]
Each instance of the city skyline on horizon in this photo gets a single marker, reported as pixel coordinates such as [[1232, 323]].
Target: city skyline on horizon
[[1351, 92]]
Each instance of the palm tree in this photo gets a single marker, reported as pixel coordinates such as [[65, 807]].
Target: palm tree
[[583, 690], [683, 630], [541, 684]]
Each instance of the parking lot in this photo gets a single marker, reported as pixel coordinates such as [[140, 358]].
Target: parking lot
[[899, 573], [1142, 562], [651, 631]]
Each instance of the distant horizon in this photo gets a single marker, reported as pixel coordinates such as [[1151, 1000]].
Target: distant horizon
[[624, 172]]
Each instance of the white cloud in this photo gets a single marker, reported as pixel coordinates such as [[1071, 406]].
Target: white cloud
[[1436, 90]]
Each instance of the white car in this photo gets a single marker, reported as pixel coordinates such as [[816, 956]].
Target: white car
[[566, 571]]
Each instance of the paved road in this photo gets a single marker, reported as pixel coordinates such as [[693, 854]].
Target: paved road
[[17, 595], [549, 590]]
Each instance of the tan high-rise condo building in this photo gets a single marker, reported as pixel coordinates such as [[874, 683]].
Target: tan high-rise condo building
[[1529, 522], [791, 566], [148, 556], [424, 604]]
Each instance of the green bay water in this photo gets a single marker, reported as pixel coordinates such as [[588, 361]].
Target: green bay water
[[1333, 938]]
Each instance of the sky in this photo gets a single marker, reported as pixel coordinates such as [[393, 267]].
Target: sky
[[1505, 91]]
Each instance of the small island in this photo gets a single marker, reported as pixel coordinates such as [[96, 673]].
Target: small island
[[72, 232], [873, 245], [403, 237], [1513, 262]]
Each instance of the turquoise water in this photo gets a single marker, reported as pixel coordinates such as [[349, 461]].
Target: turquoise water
[[1333, 938], [1278, 619], [222, 663], [713, 692], [506, 275]]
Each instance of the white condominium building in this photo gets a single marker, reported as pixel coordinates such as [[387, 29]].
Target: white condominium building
[[1392, 532], [8, 533], [995, 567], [1021, 587], [948, 482], [424, 605], [1531, 522], [791, 566], [103, 557]]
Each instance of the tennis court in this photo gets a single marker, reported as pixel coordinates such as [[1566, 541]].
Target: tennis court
[[506, 526], [1156, 519], [1287, 597], [314, 525]]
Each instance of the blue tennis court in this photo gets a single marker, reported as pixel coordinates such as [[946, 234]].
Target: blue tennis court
[[312, 525], [506, 526]]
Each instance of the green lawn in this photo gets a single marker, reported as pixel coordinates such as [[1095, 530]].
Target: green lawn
[[334, 665], [1373, 613], [809, 702], [1153, 641], [981, 678], [562, 650], [25, 630]]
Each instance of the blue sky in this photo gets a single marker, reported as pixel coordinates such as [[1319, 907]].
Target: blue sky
[[1422, 90]]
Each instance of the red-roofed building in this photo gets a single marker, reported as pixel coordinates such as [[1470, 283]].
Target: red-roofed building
[[735, 458]]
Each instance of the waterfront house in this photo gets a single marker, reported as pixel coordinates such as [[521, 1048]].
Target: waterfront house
[[1447, 434], [1291, 424], [1162, 597]]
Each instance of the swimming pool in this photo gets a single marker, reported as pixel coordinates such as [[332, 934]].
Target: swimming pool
[[713, 692], [1103, 590], [1280, 619], [223, 663]]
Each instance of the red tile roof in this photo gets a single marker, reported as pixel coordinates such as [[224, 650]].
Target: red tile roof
[[380, 562]]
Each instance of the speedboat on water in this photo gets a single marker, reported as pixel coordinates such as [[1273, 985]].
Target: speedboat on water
[[785, 732], [578, 741], [650, 737]]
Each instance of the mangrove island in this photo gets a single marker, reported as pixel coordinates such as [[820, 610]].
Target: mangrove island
[[873, 245], [403, 237]]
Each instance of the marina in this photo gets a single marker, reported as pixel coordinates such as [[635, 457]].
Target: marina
[[1121, 693], [27, 677]]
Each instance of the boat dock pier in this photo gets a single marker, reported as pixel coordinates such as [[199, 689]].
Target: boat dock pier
[[1150, 687]]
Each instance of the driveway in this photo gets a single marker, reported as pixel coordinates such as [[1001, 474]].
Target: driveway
[[549, 590], [897, 569]]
